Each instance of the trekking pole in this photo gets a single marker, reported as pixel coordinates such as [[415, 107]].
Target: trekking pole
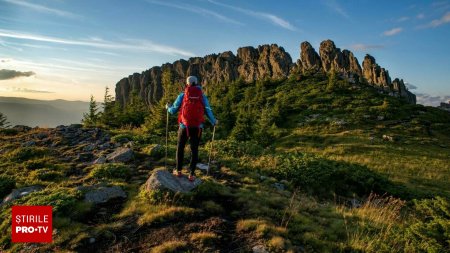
[[167, 137], [210, 150]]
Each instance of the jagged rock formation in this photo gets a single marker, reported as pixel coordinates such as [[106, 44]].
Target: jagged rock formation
[[266, 61]]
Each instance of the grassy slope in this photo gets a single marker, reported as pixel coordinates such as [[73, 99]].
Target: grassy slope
[[239, 206]]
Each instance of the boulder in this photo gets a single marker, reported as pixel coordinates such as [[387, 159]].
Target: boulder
[[103, 194], [164, 180], [121, 154], [84, 157], [100, 160], [18, 193]]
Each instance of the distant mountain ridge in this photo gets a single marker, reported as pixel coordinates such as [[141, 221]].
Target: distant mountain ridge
[[266, 61], [43, 113]]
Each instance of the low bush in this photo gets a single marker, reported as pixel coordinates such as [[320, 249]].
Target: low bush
[[6, 185], [111, 171], [26, 153], [325, 177]]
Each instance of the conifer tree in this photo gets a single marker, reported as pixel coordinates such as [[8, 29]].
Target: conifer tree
[[3, 121], [91, 118]]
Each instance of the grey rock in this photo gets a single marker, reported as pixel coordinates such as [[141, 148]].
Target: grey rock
[[202, 166], [164, 180], [279, 186], [100, 160], [84, 157], [259, 249], [89, 148], [41, 135], [29, 144], [380, 118], [91, 240], [75, 126], [103, 194], [18, 193], [121, 154], [22, 128]]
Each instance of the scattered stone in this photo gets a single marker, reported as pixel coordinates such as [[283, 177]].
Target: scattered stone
[[84, 157], [155, 151], [203, 167], [388, 138], [41, 135], [89, 148], [75, 126], [104, 146], [103, 194], [259, 249], [279, 186], [100, 160], [121, 154], [22, 128], [129, 144], [29, 144], [380, 118], [164, 180], [91, 240], [18, 193]]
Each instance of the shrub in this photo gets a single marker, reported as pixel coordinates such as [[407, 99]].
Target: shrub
[[111, 171], [6, 185], [431, 230], [61, 199], [324, 177], [26, 153], [47, 175], [235, 148]]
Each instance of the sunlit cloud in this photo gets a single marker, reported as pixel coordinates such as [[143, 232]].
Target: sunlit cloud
[[6, 74], [365, 47], [262, 15], [393, 31], [26, 90], [42, 8], [197, 10], [140, 45]]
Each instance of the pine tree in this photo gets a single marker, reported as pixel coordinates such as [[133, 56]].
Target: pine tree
[[108, 117], [156, 121], [91, 118], [3, 121]]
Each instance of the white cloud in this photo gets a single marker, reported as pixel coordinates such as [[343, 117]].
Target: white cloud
[[137, 45], [197, 10], [410, 86], [438, 22], [365, 47], [336, 7], [41, 8], [427, 99], [262, 15], [420, 16], [393, 31]]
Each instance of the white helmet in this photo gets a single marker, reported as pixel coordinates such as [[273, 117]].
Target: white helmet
[[191, 80]]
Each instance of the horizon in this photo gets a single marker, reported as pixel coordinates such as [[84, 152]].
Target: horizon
[[51, 47]]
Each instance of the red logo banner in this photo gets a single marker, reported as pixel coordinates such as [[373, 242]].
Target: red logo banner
[[31, 224]]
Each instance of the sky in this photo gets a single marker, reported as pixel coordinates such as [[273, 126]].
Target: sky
[[62, 49]]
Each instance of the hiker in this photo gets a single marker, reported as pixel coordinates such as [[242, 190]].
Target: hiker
[[192, 104]]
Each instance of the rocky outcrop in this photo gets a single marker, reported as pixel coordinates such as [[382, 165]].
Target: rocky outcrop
[[309, 59], [163, 180], [344, 63], [251, 64], [374, 74]]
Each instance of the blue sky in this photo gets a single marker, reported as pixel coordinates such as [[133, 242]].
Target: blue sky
[[76, 48]]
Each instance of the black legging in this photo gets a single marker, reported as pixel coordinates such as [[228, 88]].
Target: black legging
[[194, 136]]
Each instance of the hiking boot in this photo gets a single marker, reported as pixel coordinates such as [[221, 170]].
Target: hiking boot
[[191, 178], [177, 173]]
